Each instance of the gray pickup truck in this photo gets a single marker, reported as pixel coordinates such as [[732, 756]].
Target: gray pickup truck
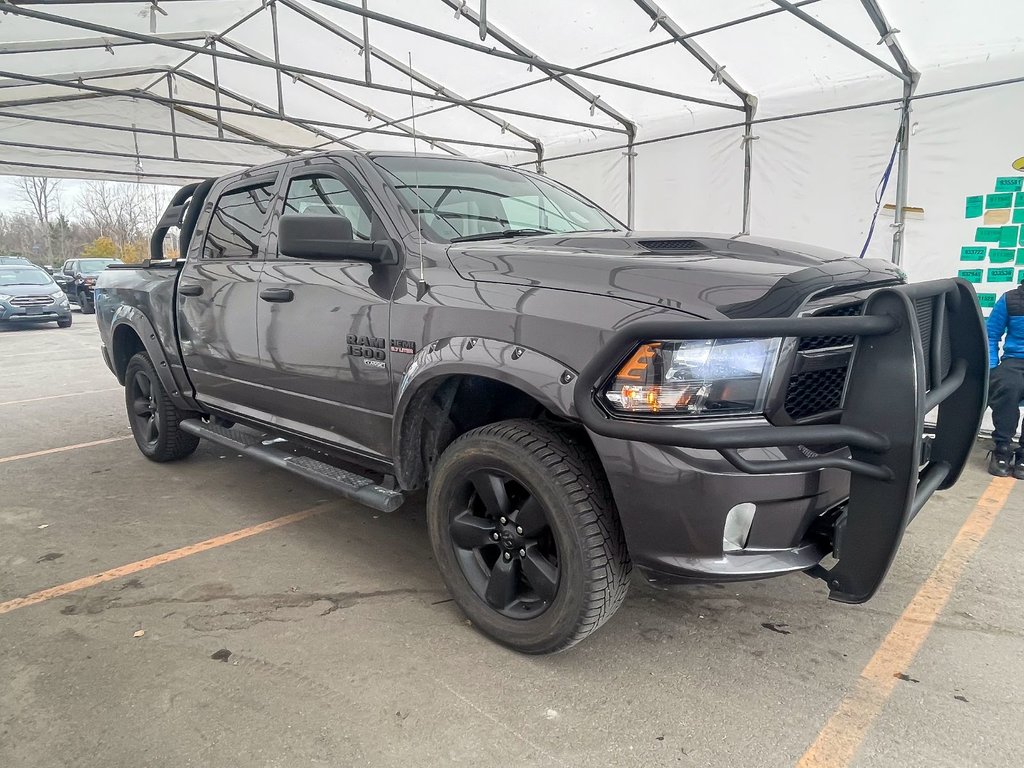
[[577, 398]]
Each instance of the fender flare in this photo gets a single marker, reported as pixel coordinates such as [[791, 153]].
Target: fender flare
[[546, 380], [143, 328]]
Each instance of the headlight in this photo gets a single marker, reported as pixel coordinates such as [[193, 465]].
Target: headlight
[[59, 296], [699, 377]]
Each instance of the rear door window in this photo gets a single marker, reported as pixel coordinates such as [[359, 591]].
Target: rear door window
[[237, 222]]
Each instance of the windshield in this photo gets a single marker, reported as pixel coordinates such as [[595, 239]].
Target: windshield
[[466, 200], [92, 266], [23, 276]]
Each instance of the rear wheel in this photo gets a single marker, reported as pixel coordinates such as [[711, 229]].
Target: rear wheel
[[526, 535], [154, 418]]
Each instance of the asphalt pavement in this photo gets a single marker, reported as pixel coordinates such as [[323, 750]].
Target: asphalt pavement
[[328, 639]]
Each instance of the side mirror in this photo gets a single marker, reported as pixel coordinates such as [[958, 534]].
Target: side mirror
[[328, 238]]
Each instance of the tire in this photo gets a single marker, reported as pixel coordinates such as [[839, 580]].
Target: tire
[[537, 588], [65, 323], [152, 415], [85, 304]]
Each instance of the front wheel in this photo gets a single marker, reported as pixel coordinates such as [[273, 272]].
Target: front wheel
[[65, 322], [153, 416], [526, 535], [85, 304]]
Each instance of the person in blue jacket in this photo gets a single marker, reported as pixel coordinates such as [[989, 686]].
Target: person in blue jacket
[[1006, 381]]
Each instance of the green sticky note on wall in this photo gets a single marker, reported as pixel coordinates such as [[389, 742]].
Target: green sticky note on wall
[[973, 252], [1008, 236], [975, 206], [1002, 255], [988, 234], [1020, 275], [987, 300], [999, 200], [970, 275], [1009, 183], [1020, 255], [1000, 275], [1018, 216], [1018, 200]]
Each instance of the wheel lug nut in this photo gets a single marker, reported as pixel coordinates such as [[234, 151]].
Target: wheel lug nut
[[519, 530], [495, 536], [503, 519], [508, 556], [522, 553]]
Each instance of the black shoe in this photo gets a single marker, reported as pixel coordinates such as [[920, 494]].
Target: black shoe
[[999, 461], [1018, 465]]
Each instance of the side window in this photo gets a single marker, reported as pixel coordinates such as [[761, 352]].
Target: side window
[[326, 196], [236, 223]]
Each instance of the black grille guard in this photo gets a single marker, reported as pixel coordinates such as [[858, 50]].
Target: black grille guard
[[883, 412]]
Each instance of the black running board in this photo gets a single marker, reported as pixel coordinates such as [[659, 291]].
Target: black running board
[[347, 484]]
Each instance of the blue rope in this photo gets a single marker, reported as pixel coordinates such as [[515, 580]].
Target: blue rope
[[879, 193]]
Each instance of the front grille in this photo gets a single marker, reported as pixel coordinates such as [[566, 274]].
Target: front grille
[[673, 245], [814, 392], [824, 342], [31, 301]]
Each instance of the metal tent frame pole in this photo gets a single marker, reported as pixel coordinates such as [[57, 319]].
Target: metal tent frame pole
[[887, 36], [718, 73], [405, 69], [179, 103], [522, 58], [292, 70], [595, 101], [843, 41], [609, 59], [338, 96]]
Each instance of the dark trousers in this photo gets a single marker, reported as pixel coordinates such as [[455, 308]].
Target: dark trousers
[[1005, 391]]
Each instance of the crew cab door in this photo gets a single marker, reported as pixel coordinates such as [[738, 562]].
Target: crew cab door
[[323, 324], [217, 293]]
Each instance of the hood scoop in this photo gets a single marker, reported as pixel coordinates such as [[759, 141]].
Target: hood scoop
[[674, 246]]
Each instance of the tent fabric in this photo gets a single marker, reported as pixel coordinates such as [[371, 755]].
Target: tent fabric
[[57, 51], [684, 94]]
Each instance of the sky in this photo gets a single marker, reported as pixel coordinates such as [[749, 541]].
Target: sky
[[9, 201]]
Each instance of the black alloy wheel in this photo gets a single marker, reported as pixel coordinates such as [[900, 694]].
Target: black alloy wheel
[[525, 533], [504, 544], [154, 418], [145, 413]]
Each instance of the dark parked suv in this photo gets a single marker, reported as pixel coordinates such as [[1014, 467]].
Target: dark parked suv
[[79, 279], [578, 398]]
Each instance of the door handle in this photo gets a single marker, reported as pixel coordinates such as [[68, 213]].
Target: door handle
[[277, 295], [190, 289]]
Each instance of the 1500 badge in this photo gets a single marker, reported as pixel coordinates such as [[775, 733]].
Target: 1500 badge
[[371, 348]]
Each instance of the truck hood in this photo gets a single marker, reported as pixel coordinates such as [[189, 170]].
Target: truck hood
[[706, 275]]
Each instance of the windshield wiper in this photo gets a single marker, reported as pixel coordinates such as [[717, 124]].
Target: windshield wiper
[[502, 234]]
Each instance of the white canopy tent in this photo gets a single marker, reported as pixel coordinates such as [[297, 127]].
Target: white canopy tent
[[768, 116]]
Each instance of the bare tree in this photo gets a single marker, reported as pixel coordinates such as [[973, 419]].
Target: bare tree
[[115, 211], [42, 195]]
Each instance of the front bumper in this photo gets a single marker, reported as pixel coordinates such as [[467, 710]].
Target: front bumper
[[849, 487], [44, 314]]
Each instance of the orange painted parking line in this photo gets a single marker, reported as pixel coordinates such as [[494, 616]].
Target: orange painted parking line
[[48, 451], [55, 397], [843, 734], [166, 557]]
